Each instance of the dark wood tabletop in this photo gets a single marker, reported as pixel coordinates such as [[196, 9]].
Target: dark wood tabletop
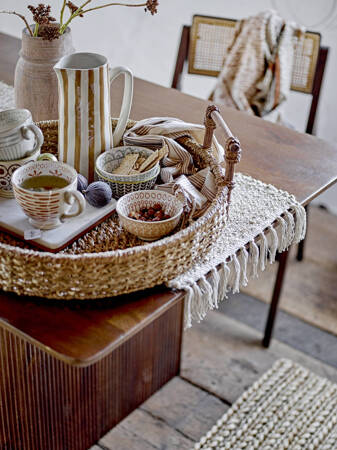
[[81, 333]]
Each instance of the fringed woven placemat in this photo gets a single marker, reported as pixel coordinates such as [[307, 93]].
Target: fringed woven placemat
[[288, 408], [262, 221]]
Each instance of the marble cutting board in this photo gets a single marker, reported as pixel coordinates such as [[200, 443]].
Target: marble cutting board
[[15, 222]]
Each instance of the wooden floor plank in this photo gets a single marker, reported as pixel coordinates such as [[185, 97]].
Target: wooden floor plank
[[141, 431], [288, 329], [221, 358], [321, 238], [309, 292], [185, 408], [310, 286], [225, 357]]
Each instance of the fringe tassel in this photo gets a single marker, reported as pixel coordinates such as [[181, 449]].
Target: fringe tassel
[[235, 274], [263, 251], [198, 309], [283, 234], [254, 261], [291, 228], [224, 273], [187, 308], [206, 290], [301, 223], [273, 244], [244, 261], [214, 282]]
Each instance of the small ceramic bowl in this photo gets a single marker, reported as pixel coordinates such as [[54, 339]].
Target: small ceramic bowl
[[124, 184], [149, 231], [111, 159], [119, 188]]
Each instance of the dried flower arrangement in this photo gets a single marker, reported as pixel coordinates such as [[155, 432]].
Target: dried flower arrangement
[[46, 26]]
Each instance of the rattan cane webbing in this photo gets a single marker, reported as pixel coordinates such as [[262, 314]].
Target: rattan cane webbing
[[108, 261]]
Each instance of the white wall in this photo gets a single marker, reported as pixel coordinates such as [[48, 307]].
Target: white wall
[[148, 45]]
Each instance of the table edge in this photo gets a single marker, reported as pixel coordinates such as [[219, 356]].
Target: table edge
[[85, 362]]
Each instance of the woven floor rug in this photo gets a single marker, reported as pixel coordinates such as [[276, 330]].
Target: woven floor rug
[[289, 407]]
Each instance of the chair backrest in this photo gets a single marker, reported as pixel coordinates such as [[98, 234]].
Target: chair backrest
[[205, 44]]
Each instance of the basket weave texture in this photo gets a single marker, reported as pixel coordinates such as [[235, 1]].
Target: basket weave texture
[[108, 261]]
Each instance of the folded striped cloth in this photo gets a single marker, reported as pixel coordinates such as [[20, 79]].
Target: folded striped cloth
[[178, 173]]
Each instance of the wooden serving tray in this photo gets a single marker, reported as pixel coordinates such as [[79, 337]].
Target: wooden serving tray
[[15, 222]]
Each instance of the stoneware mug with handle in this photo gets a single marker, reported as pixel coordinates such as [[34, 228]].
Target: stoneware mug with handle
[[19, 136], [7, 168], [84, 109], [48, 209]]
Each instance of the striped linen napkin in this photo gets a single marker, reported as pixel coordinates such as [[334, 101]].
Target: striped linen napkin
[[178, 173]]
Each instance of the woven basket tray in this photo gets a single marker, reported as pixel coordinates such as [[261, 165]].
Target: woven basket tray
[[108, 261]]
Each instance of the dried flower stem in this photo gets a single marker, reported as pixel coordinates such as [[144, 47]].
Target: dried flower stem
[[41, 16], [75, 14], [36, 30], [114, 4], [21, 17], [80, 10], [62, 12]]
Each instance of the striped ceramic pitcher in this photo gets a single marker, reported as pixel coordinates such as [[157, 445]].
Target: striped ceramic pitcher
[[84, 109]]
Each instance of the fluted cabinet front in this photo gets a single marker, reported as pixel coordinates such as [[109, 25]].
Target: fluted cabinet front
[[46, 403]]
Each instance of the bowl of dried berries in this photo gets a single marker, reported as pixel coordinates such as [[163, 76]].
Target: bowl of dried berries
[[149, 214]]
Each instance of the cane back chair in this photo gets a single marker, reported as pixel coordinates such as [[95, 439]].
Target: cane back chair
[[204, 45]]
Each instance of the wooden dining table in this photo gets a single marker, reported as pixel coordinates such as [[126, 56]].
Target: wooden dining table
[[70, 371]]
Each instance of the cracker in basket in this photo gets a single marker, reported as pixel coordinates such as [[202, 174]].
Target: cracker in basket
[[126, 165], [147, 163], [154, 158], [139, 162]]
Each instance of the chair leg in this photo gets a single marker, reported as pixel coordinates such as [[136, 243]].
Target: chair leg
[[275, 299], [300, 248]]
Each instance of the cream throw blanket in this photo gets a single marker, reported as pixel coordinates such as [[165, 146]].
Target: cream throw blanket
[[256, 74]]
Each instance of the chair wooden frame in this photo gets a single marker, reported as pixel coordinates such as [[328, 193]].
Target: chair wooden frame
[[313, 87]]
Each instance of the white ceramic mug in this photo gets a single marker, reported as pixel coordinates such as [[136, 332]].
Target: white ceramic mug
[[48, 209], [84, 109], [19, 136]]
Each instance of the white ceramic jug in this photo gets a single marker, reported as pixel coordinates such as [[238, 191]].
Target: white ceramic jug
[[84, 109]]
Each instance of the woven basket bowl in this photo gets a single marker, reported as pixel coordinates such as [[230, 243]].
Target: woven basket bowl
[[111, 273]]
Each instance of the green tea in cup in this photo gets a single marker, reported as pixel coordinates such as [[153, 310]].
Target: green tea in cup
[[44, 183]]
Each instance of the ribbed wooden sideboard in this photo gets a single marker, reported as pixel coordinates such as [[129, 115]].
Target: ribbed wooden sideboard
[[68, 374]]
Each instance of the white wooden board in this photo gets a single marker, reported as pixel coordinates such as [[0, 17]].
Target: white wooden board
[[14, 221]]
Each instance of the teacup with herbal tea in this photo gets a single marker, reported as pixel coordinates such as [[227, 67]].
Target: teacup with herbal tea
[[46, 190], [44, 183]]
